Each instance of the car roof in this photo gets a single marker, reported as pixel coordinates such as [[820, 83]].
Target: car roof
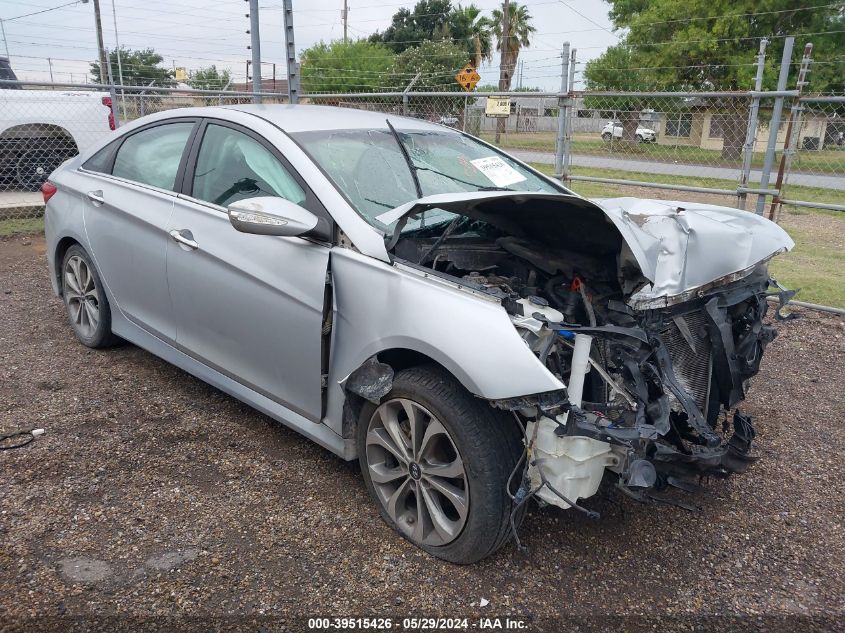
[[306, 118]]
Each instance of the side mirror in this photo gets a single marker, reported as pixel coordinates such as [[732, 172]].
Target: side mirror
[[270, 216]]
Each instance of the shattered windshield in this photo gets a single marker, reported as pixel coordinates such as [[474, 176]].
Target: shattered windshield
[[370, 167]]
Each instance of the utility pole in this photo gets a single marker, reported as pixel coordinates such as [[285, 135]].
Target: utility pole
[[101, 48], [50, 64], [255, 41], [504, 74], [119, 63], [345, 14]]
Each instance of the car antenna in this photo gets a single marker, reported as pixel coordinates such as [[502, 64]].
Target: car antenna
[[407, 156]]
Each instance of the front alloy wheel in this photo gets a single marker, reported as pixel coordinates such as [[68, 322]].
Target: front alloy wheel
[[417, 472], [436, 460]]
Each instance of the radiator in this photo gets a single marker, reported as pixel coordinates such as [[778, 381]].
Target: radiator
[[693, 364]]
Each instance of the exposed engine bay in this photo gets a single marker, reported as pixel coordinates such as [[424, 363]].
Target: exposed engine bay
[[651, 391]]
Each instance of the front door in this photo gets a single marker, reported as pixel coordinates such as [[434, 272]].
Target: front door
[[250, 306]]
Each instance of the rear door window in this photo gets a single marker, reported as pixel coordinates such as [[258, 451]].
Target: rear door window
[[152, 156], [102, 160]]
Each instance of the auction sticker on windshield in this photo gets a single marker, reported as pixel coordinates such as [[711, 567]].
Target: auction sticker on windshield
[[497, 171]]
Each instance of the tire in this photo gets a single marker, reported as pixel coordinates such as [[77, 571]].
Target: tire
[[639, 138], [35, 164], [606, 137], [486, 443], [85, 299]]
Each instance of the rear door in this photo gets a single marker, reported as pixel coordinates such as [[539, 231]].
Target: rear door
[[128, 192], [250, 306]]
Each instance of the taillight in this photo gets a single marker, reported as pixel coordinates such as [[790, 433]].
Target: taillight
[[48, 190], [107, 102]]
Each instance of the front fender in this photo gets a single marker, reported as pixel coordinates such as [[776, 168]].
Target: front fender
[[379, 306]]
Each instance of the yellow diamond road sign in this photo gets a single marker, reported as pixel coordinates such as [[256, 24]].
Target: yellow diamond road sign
[[468, 77]]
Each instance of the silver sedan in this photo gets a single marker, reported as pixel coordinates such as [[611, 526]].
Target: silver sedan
[[402, 293]]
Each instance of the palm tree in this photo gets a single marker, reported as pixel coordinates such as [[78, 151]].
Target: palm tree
[[519, 34], [478, 28]]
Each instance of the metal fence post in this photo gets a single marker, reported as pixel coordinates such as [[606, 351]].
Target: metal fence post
[[255, 44], [561, 112], [113, 93], [406, 91], [751, 133], [569, 108], [290, 53], [793, 130], [777, 111]]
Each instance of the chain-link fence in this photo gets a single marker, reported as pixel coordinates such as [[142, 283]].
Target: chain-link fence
[[815, 155], [728, 148], [42, 125]]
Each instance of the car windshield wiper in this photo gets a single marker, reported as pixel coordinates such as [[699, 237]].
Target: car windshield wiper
[[408, 160], [416, 168], [443, 237]]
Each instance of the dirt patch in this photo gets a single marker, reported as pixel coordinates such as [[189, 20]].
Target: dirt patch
[[154, 495]]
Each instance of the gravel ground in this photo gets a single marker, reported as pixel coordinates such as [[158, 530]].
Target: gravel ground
[[152, 495]]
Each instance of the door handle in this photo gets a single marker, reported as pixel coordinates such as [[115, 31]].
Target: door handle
[[96, 197], [185, 241]]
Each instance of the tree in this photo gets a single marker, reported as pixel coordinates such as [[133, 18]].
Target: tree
[[209, 78], [139, 68], [409, 28], [711, 45], [435, 20], [467, 25], [436, 62], [519, 34], [355, 66]]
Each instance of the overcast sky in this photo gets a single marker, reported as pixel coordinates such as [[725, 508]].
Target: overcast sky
[[195, 33]]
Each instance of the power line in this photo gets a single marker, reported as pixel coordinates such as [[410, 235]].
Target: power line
[[26, 15]]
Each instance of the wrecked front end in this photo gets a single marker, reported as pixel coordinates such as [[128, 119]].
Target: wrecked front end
[[652, 326], [652, 395]]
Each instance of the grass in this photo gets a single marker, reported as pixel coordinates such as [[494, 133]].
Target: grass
[[17, 227], [817, 263], [824, 161]]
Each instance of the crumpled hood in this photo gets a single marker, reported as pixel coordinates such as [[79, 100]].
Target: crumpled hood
[[681, 246], [677, 246]]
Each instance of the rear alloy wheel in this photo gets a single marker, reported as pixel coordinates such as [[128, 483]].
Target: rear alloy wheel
[[606, 137], [87, 307], [436, 460]]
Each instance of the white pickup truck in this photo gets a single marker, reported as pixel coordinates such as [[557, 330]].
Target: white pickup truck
[[40, 129]]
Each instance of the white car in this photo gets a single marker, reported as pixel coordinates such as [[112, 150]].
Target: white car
[[614, 130], [40, 129]]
